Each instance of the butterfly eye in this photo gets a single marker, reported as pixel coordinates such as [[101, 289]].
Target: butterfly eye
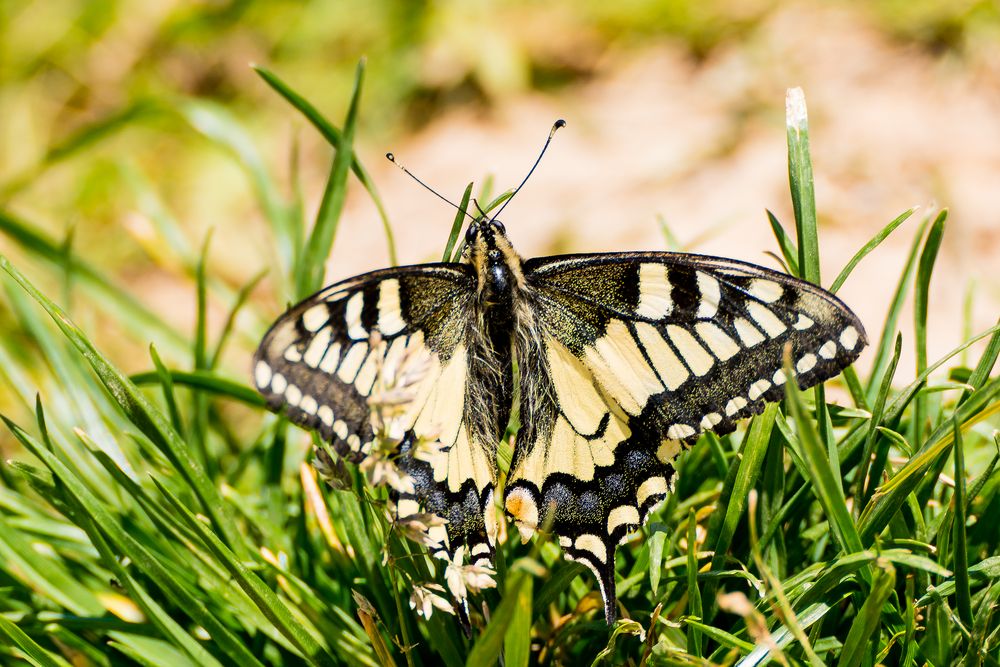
[[470, 234], [499, 225]]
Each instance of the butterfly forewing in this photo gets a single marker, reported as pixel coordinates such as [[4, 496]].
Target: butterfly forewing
[[386, 355], [643, 352]]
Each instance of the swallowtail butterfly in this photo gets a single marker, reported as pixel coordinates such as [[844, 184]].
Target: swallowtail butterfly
[[622, 360]]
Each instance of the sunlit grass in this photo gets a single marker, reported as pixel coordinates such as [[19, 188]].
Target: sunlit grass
[[164, 518]]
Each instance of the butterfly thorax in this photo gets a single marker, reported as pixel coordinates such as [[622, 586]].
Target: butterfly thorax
[[499, 289], [506, 315], [498, 267]]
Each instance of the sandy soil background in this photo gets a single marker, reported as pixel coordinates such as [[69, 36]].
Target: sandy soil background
[[653, 130], [703, 145]]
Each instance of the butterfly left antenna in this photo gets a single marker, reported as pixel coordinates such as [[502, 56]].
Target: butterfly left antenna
[[555, 126], [392, 158]]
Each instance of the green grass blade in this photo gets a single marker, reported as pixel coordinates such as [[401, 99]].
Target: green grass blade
[[800, 179], [45, 576], [320, 241], [875, 242], [133, 312], [333, 136], [140, 412], [32, 652], [874, 474], [227, 327], [517, 639], [826, 484], [883, 350], [743, 474], [925, 267], [218, 125], [102, 526], [981, 373], [456, 226], [167, 383], [199, 402], [960, 547], [694, 591], [899, 403], [265, 599], [869, 617], [206, 381], [558, 582], [889, 498], [785, 242]]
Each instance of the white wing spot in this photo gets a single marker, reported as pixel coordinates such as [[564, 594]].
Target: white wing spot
[[680, 431], [278, 383], [668, 451], [806, 363], [718, 342], [697, 359], [262, 374], [317, 348], [803, 322], [565, 542], [748, 333], [779, 377], [710, 420], [521, 506], [330, 359], [351, 364], [623, 515], [366, 376], [767, 320], [828, 350], [407, 507], [293, 354], [653, 486], [617, 363], [390, 319], [767, 291], [316, 317], [670, 369], [325, 414], [293, 395], [735, 404], [654, 292], [340, 428], [352, 316], [757, 389], [849, 338], [308, 405], [593, 545], [354, 442], [710, 295]]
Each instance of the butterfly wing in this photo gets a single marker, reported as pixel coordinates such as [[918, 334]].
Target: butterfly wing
[[637, 354], [389, 351]]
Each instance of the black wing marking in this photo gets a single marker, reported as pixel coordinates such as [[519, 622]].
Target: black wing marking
[[643, 352], [322, 366]]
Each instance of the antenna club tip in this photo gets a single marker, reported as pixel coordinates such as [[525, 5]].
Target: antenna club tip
[[559, 123], [390, 157]]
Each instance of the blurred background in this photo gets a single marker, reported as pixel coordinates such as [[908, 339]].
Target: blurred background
[[130, 129]]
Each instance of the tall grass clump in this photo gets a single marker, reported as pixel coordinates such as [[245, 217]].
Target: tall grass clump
[[165, 518]]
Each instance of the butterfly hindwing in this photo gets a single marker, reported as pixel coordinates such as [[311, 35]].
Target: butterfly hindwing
[[643, 352], [390, 351]]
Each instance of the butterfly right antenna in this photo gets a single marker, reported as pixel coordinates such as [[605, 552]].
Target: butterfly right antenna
[[555, 126]]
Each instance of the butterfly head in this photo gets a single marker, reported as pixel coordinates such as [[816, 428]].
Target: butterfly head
[[497, 264]]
